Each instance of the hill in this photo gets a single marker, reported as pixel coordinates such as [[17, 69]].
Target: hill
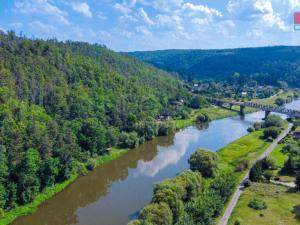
[[62, 104], [266, 65]]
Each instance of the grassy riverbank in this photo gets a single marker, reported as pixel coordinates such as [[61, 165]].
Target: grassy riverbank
[[51, 191], [247, 148]]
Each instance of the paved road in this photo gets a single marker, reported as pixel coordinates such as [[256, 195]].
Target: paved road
[[240, 188]]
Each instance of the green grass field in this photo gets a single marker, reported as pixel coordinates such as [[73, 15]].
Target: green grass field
[[283, 206], [214, 113], [246, 148]]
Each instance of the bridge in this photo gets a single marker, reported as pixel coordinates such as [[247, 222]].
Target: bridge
[[267, 108]]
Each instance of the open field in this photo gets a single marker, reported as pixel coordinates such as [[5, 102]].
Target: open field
[[283, 206], [247, 148]]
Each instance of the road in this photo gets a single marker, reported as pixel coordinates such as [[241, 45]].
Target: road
[[240, 188]]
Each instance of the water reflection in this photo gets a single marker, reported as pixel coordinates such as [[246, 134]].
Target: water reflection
[[167, 156]]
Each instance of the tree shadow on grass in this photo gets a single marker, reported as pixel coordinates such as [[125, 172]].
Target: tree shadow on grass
[[296, 211]]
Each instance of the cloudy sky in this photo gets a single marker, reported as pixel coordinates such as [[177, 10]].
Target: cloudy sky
[[127, 25]]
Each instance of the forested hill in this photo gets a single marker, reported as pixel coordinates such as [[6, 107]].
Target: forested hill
[[62, 104], [266, 65]]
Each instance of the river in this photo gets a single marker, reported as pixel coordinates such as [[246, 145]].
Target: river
[[114, 193]]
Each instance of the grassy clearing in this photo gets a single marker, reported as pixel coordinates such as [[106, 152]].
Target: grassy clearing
[[246, 148], [214, 113], [283, 206], [278, 156], [51, 191]]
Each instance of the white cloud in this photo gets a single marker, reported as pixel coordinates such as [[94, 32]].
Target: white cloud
[[41, 7], [203, 9], [143, 30], [100, 16], [123, 8], [142, 13], [163, 5], [42, 27], [83, 8]]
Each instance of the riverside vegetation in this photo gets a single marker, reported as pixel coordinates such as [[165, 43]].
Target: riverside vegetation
[[199, 196]]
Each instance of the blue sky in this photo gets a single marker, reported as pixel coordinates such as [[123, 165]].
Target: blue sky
[[128, 25]]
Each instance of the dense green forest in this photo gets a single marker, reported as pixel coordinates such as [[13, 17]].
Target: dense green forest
[[62, 104], [266, 65]]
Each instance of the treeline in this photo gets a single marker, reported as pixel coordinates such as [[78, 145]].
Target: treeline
[[64, 104], [266, 65], [197, 196]]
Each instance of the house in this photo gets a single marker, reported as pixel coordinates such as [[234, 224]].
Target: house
[[297, 134]]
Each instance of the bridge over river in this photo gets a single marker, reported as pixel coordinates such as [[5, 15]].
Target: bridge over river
[[267, 108]]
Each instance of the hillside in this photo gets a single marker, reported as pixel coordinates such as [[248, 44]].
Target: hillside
[[266, 65], [64, 104]]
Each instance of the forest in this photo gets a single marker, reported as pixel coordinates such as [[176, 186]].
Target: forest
[[266, 65], [62, 104]]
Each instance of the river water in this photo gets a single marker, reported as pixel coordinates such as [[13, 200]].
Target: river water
[[115, 192]]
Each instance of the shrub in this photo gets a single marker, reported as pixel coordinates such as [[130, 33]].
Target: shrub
[[241, 165], [268, 175], [129, 140], [250, 129], [257, 125], [256, 172], [157, 213], [273, 121], [247, 183], [166, 128], [238, 221], [272, 132], [202, 118], [279, 101], [257, 204], [206, 162], [91, 164]]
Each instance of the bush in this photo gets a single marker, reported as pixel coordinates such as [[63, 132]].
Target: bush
[[273, 121], [247, 183], [91, 164], [202, 118], [297, 182], [206, 162], [272, 132], [257, 125], [250, 129], [241, 165], [238, 221], [257, 204], [169, 197], [279, 101], [256, 172], [268, 175], [158, 214], [166, 128], [129, 140], [267, 163]]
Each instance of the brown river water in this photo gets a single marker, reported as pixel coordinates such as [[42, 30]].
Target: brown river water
[[114, 193]]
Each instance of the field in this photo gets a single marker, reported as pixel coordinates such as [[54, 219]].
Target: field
[[247, 148], [283, 206]]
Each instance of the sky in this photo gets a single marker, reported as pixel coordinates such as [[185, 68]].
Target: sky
[[133, 25]]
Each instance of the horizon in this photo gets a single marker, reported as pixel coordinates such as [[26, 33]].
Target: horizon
[[142, 25]]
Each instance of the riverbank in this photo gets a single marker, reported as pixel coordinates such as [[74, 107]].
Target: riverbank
[[49, 192]]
